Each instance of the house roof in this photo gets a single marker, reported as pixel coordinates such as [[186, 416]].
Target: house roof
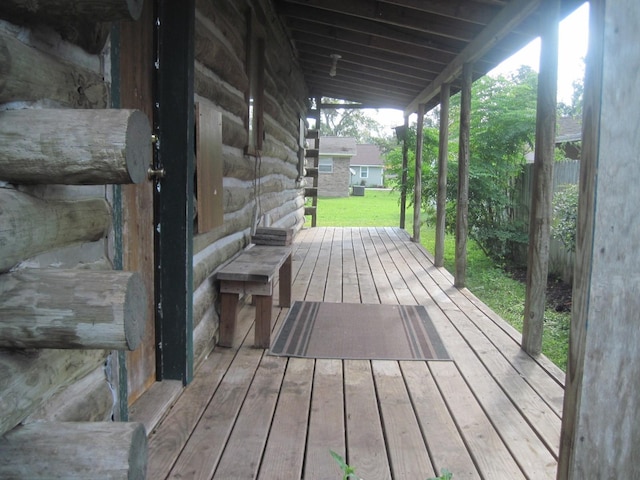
[[397, 53], [337, 146], [367, 155], [569, 129]]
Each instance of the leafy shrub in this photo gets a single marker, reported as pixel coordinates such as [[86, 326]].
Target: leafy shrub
[[565, 215]]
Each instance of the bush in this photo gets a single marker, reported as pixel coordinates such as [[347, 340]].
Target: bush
[[565, 215]]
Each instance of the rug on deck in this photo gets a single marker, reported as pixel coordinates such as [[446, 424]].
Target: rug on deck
[[358, 331]]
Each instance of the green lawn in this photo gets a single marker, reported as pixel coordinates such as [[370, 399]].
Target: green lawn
[[381, 208], [377, 208]]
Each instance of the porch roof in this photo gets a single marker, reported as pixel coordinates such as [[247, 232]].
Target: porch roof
[[492, 412], [396, 53]]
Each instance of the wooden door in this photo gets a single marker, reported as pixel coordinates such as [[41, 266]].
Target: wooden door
[[136, 91]]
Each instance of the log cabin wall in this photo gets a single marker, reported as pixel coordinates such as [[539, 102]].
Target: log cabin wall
[[221, 79], [51, 68]]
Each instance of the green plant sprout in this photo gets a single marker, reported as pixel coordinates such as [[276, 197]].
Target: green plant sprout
[[444, 475], [348, 472]]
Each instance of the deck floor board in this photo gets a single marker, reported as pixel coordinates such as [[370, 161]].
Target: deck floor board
[[491, 413]]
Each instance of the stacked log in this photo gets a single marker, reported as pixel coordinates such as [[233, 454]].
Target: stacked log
[[97, 450], [95, 147], [56, 324], [33, 226], [81, 309]]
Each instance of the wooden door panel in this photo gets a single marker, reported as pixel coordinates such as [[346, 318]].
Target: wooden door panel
[[136, 91]]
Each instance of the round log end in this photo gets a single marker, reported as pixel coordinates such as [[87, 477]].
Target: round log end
[[135, 8], [139, 148], [138, 453], [135, 310]]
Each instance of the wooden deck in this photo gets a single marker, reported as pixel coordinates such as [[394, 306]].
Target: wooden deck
[[491, 413]]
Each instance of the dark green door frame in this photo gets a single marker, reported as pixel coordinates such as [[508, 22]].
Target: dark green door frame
[[174, 127]]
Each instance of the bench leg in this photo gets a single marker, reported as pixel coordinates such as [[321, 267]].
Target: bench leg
[[285, 283], [228, 314], [263, 321]]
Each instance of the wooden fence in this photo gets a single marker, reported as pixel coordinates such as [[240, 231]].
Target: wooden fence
[[564, 172]]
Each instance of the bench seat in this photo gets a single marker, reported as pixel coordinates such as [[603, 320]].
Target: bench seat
[[252, 273]]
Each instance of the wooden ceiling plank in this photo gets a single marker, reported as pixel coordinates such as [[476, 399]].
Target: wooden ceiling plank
[[508, 18], [393, 23], [322, 64], [373, 41], [411, 68], [468, 11], [309, 42]]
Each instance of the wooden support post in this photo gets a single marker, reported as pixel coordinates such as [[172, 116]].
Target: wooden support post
[[82, 309], [96, 450], [60, 10], [32, 226], [96, 147], [541, 203], [417, 181], [600, 438], [405, 167], [443, 158], [462, 221], [65, 84]]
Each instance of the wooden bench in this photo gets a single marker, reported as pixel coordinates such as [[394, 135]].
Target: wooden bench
[[252, 273]]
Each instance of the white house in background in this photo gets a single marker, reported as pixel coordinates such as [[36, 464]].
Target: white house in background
[[367, 166], [333, 166]]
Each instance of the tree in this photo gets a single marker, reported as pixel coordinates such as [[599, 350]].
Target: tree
[[349, 122], [502, 131], [575, 108]]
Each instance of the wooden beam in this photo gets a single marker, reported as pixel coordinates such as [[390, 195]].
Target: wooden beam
[[96, 450], [32, 226], [542, 190], [508, 18], [174, 242], [96, 147], [602, 400], [443, 158], [417, 181], [89, 10], [462, 221], [82, 309], [55, 80], [405, 168]]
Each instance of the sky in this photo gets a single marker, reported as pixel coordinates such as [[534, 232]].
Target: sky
[[574, 34]]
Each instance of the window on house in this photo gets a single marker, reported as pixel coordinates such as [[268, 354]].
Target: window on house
[[325, 165], [255, 94], [364, 172]]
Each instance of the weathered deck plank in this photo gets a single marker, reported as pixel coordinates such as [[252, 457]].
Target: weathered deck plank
[[492, 412], [326, 421], [243, 452], [445, 444], [408, 453], [365, 439], [284, 453]]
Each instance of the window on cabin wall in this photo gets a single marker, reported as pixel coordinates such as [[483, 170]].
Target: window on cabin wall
[[364, 172], [325, 165], [255, 94]]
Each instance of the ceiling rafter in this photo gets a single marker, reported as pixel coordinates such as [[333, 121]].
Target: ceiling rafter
[[395, 53]]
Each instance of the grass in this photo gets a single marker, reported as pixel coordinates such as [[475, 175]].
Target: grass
[[376, 209], [491, 284]]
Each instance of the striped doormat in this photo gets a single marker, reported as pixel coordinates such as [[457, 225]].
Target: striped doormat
[[358, 331]]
